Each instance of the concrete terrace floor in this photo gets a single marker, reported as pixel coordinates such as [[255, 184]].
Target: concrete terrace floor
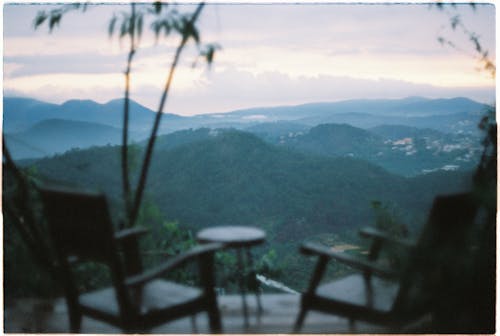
[[280, 311]]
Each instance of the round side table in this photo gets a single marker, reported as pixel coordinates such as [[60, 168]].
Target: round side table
[[239, 238]]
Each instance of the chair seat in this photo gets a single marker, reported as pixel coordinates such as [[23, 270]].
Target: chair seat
[[156, 295], [352, 290]]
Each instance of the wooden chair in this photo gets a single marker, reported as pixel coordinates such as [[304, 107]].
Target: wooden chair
[[81, 230], [395, 298]]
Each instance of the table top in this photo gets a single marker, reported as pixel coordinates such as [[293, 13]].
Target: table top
[[232, 236]]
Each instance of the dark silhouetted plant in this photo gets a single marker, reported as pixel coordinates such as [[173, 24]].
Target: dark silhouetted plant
[[167, 21], [457, 24]]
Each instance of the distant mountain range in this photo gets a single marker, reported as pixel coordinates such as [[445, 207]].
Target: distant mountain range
[[34, 128], [23, 113], [406, 107], [448, 115]]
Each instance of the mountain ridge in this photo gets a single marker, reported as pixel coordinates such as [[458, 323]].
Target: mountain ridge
[[454, 115], [55, 136]]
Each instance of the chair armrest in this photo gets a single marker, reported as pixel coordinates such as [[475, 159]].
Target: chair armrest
[[363, 265], [130, 233], [176, 261], [371, 232]]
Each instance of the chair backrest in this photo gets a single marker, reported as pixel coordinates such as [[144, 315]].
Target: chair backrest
[[440, 256], [79, 224]]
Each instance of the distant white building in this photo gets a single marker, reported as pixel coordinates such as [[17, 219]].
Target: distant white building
[[450, 167], [403, 142]]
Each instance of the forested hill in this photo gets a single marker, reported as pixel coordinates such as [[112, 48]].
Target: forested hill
[[57, 136], [235, 178]]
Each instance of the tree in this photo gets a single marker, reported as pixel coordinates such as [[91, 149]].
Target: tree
[[457, 24], [478, 279], [167, 21]]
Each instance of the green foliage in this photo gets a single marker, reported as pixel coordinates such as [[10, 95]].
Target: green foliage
[[54, 17], [265, 262], [269, 265], [485, 178], [23, 275], [91, 275], [28, 260], [134, 154], [207, 53], [167, 235], [388, 220], [166, 18], [236, 178], [480, 53], [165, 239], [227, 272]]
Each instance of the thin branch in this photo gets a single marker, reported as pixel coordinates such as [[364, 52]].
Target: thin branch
[[26, 223], [479, 53], [124, 151], [159, 113]]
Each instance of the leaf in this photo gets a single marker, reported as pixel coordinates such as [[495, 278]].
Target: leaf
[[455, 21], [139, 25], [111, 27], [189, 30], [55, 18], [167, 26], [124, 28], [156, 26], [131, 24], [196, 35], [210, 56], [159, 25], [475, 40], [209, 52], [39, 19]]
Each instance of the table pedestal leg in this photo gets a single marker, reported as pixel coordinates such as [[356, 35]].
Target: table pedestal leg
[[253, 278], [242, 283]]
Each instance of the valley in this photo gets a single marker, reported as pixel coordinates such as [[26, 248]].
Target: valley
[[295, 179]]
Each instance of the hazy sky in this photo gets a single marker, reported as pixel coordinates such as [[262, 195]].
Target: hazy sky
[[272, 54]]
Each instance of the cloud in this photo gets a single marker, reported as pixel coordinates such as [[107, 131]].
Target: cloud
[[233, 89], [272, 55], [89, 63]]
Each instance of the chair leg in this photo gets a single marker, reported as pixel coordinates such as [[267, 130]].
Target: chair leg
[[352, 325], [194, 326], [300, 320], [214, 318], [75, 321]]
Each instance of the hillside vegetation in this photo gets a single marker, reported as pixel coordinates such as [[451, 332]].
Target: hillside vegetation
[[308, 172], [235, 178]]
